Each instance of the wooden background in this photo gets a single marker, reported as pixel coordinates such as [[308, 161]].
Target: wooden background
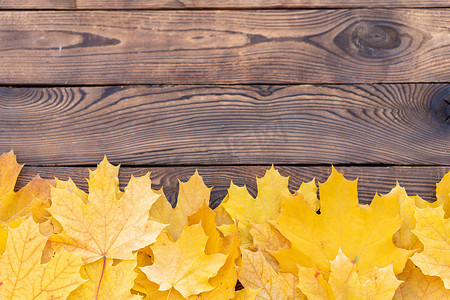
[[229, 87]]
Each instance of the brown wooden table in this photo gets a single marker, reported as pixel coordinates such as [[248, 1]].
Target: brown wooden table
[[229, 87]]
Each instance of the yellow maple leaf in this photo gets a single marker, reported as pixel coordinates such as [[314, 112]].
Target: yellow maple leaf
[[206, 217], [344, 282], [191, 196], [106, 279], [404, 238], [162, 212], [107, 222], [267, 238], [246, 294], [309, 192], [433, 231], [364, 235], [417, 285], [183, 265], [33, 199], [265, 206], [24, 277], [225, 280], [443, 194], [256, 273], [240, 205]]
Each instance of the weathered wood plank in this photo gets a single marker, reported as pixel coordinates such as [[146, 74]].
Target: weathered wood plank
[[38, 4], [417, 180], [202, 47], [179, 4], [190, 125], [187, 4]]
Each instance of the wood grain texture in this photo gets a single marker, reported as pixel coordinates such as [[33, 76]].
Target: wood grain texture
[[213, 47], [211, 125], [181, 4], [37, 4], [229, 4], [417, 180]]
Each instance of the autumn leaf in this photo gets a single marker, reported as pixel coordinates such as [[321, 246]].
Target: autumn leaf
[[16, 206], [240, 205], [443, 194], [106, 223], [364, 235], [344, 282], [267, 238], [246, 294], [433, 231], [107, 279], [256, 273], [416, 285], [162, 212], [404, 238], [183, 265], [224, 282], [265, 206], [24, 277], [191, 195], [309, 192]]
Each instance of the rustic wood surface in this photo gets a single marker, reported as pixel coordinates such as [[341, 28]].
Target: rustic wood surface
[[224, 46], [92, 57], [416, 180], [229, 4], [189, 125]]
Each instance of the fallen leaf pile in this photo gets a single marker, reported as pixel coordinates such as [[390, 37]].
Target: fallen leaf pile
[[59, 242]]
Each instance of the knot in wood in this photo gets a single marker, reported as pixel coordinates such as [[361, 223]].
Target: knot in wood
[[376, 39], [443, 109], [370, 37]]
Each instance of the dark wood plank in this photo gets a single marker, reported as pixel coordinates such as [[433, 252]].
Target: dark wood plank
[[38, 4], [190, 125], [417, 180], [229, 4], [202, 47], [180, 4]]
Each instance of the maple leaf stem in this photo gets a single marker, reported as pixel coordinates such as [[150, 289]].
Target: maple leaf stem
[[101, 277]]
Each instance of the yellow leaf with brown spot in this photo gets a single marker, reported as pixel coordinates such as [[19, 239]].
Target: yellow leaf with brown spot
[[434, 233], [183, 265], [106, 279], [344, 282], [256, 273], [23, 276], [417, 285], [364, 235], [107, 223]]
